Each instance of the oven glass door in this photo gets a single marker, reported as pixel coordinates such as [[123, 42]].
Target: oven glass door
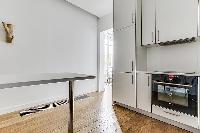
[[173, 95]]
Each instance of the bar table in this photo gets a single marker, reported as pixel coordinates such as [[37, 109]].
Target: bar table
[[11, 81]]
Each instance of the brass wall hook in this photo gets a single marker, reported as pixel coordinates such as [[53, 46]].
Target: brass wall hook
[[9, 32]]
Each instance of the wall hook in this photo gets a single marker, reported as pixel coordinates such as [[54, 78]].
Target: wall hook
[[9, 32]]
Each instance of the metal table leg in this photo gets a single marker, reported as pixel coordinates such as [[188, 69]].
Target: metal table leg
[[71, 107]]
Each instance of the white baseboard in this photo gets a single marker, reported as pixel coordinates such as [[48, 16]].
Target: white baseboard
[[28, 105]]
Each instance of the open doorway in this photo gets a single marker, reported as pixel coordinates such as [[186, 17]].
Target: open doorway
[[106, 59]]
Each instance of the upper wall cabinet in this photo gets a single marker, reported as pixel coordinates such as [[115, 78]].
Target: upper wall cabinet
[[168, 20], [148, 22], [176, 19], [124, 13]]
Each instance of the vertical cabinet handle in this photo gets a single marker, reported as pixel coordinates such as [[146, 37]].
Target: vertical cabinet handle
[[158, 35], [148, 80], [152, 34], [132, 66], [132, 79]]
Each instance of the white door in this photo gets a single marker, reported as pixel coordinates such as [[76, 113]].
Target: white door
[[124, 13], [176, 19], [124, 50], [124, 91], [148, 22]]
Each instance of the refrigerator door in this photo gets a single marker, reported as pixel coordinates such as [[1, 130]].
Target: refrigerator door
[[124, 90], [124, 50]]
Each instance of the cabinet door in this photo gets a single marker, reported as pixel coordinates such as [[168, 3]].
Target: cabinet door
[[124, 50], [124, 91], [148, 22], [144, 91], [176, 19], [124, 13]]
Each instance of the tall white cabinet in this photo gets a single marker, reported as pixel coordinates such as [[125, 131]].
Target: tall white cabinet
[[124, 90], [124, 13], [168, 20], [124, 71]]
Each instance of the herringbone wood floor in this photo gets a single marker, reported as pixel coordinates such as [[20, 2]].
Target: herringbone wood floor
[[92, 115]]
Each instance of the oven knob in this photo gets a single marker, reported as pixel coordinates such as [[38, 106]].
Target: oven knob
[[170, 94]]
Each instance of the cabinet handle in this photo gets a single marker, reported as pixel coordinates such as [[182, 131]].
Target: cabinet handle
[[148, 81], [132, 65], [158, 35], [171, 113], [132, 79], [127, 72], [152, 36]]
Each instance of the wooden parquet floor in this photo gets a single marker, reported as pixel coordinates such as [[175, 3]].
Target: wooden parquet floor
[[92, 115], [133, 122]]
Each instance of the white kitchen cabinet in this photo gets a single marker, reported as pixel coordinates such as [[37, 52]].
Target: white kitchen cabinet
[[176, 19], [124, 50], [124, 81], [124, 90], [148, 22], [144, 91], [124, 13], [168, 20]]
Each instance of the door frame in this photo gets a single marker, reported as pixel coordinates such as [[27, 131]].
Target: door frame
[[100, 64]]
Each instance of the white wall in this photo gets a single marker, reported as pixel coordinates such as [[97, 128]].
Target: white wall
[[99, 8], [50, 36], [104, 24], [182, 58]]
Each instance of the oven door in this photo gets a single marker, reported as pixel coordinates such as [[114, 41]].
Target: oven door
[[173, 95], [178, 97]]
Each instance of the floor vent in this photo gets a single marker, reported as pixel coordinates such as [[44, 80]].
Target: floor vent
[[49, 106]]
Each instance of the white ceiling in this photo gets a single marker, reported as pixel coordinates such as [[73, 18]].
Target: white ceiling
[[98, 8]]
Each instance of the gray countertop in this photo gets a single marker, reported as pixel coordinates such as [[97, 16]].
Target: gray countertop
[[174, 73], [10, 81]]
